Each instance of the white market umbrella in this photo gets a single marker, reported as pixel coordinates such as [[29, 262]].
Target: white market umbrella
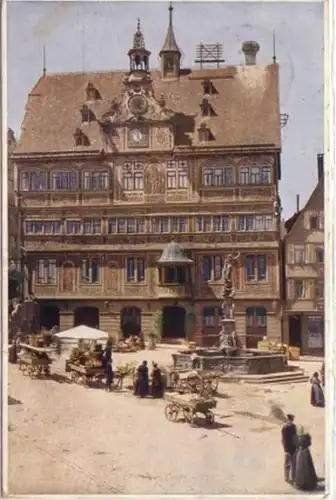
[[82, 332]]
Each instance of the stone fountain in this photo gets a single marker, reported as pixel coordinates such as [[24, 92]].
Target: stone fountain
[[229, 355]]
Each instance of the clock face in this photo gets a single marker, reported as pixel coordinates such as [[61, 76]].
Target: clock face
[[138, 104]]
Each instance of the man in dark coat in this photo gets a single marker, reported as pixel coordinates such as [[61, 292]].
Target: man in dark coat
[[305, 475], [289, 443], [109, 374], [142, 383]]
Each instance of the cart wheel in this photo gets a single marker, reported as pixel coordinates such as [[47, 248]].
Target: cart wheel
[[171, 412], [73, 376], [210, 418]]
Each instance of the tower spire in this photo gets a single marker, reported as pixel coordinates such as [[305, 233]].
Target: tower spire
[[170, 44]]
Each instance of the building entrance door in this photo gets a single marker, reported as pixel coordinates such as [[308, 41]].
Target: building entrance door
[[295, 327], [88, 316], [173, 324]]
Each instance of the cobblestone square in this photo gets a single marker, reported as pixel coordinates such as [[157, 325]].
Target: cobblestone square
[[88, 441]]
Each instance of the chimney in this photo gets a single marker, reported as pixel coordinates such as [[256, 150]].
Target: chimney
[[320, 166], [297, 203], [250, 50]]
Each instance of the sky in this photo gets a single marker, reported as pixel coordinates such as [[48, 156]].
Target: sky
[[92, 36]]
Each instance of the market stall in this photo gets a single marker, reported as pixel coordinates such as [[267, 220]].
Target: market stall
[[35, 361], [85, 363]]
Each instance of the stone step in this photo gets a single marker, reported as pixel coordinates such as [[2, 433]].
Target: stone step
[[289, 380], [269, 378]]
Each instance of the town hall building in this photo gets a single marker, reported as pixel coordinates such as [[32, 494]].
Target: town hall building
[[134, 185]]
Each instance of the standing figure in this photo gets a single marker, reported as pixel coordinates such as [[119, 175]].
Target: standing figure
[[316, 392], [157, 388], [289, 443], [305, 474], [107, 353], [109, 374], [142, 384]]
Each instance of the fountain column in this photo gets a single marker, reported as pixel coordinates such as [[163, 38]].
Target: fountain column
[[229, 343]]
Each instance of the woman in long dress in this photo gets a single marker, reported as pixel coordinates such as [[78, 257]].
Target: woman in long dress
[[316, 393], [142, 383], [157, 388], [305, 475]]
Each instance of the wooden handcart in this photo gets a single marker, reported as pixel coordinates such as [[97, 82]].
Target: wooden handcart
[[189, 408], [86, 375], [35, 361], [198, 382]]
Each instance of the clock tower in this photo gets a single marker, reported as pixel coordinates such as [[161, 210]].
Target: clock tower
[[138, 54]]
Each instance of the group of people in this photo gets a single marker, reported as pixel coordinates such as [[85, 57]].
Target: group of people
[[145, 385], [299, 467], [143, 388]]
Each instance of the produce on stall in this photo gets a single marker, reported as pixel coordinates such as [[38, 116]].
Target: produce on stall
[[132, 344], [34, 361]]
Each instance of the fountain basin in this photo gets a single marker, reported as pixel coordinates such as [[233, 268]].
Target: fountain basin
[[250, 362]]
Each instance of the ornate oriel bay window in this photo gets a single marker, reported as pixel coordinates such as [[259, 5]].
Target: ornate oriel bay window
[[135, 269], [177, 177], [133, 176], [212, 223], [255, 223], [46, 272], [256, 267], [212, 267], [255, 175], [127, 225], [174, 266]]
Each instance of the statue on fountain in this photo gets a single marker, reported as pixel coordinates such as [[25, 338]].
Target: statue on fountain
[[228, 339]]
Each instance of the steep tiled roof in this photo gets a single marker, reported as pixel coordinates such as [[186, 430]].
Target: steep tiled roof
[[246, 106]]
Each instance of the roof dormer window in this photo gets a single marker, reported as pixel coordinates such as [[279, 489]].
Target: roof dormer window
[[80, 138], [207, 109], [87, 114], [204, 133], [92, 94], [208, 88]]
